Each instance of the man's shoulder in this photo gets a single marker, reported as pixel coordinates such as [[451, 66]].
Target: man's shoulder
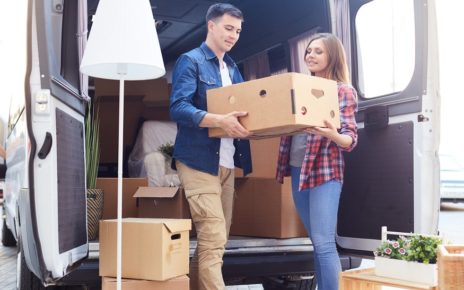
[[195, 54]]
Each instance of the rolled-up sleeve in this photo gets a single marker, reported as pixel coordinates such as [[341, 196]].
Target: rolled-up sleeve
[[348, 107], [184, 86]]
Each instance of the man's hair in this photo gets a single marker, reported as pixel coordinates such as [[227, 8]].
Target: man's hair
[[219, 9]]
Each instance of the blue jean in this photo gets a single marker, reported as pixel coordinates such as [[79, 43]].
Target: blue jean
[[318, 209]]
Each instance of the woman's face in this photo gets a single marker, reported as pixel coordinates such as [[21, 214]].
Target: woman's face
[[316, 58]]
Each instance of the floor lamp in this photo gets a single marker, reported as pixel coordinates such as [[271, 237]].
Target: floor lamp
[[122, 45]]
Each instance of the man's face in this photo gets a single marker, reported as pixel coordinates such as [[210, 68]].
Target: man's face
[[224, 32]]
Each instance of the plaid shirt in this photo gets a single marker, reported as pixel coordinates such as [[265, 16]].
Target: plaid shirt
[[323, 160]]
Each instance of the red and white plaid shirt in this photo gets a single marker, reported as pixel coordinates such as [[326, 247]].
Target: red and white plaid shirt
[[323, 160]]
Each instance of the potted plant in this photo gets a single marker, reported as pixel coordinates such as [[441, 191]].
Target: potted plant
[[92, 158], [411, 257]]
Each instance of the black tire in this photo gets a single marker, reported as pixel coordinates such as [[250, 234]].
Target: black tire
[[26, 279], [8, 239]]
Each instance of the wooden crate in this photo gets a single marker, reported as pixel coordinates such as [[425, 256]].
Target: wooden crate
[[450, 267], [365, 279]]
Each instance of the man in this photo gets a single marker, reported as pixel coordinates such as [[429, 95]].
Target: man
[[206, 165]]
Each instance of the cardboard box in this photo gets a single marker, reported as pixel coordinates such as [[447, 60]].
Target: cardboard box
[[155, 91], [264, 208], [178, 283], [278, 105], [110, 196], [264, 154], [152, 249], [162, 202]]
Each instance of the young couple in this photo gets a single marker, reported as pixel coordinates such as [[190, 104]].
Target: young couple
[[206, 165]]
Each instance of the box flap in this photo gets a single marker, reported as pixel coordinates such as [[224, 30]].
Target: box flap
[[160, 192], [178, 225]]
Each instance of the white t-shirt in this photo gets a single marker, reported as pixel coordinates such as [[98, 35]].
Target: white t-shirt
[[227, 150]]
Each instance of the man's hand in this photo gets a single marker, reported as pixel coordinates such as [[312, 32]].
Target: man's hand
[[228, 122]]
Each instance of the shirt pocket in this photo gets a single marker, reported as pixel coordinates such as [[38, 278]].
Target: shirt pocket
[[206, 81]]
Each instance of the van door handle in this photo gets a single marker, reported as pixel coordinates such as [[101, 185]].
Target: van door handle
[[46, 146]]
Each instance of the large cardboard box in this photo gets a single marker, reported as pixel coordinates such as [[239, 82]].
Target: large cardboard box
[[264, 208], [155, 91], [152, 249], [178, 283], [110, 196], [278, 105], [264, 154], [162, 202]]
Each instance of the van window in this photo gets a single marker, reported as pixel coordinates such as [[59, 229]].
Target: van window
[[385, 38]]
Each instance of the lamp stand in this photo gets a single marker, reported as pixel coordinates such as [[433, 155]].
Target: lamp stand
[[120, 151]]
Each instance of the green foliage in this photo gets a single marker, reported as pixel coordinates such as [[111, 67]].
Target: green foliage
[[423, 249], [92, 144], [418, 248], [167, 149]]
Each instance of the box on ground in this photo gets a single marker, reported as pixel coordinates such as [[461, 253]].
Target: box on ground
[[110, 196], [278, 105], [264, 208], [178, 283], [152, 249]]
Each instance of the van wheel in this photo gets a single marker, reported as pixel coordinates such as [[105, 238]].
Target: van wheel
[[26, 280], [8, 239]]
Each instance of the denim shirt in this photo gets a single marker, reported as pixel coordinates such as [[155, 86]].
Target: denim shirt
[[194, 73]]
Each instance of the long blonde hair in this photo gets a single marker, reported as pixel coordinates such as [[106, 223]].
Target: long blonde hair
[[337, 68]]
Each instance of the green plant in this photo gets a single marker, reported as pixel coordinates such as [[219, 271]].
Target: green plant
[[167, 149], [417, 248], [423, 249], [92, 144]]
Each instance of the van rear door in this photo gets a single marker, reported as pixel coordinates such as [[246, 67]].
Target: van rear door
[[52, 210], [392, 177]]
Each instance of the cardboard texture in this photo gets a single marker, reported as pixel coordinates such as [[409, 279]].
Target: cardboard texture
[[264, 208], [152, 249], [178, 283], [162, 202], [278, 105], [110, 196], [264, 153], [155, 91]]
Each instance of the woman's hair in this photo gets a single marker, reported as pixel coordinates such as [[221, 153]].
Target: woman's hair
[[337, 68]]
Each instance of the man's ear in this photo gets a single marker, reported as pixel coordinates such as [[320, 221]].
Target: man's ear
[[210, 25]]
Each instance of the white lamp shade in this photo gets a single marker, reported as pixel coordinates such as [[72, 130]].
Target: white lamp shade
[[123, 43]]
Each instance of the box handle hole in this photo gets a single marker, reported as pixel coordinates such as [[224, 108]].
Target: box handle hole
[[175, 237], [317, 93], [304, 110]]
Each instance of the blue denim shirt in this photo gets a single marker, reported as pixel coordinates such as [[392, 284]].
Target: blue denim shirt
[[194, 73]]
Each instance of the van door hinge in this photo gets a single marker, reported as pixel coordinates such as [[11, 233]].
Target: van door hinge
[[422, 118], [58, 6]]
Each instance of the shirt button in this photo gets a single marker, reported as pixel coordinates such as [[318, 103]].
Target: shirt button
[[217, 153]]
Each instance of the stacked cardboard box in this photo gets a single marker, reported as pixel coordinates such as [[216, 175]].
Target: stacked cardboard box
[[264, 208], [152, 250]]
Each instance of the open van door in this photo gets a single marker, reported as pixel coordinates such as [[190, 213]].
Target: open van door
[[51, 203], [392, 176]]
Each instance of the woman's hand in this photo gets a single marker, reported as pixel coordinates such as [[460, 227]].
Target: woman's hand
[[344, 141], [329, 132]]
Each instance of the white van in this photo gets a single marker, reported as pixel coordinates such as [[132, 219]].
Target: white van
[[391, 178]]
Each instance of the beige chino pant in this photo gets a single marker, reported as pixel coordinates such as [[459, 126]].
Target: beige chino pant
[[211, 201]]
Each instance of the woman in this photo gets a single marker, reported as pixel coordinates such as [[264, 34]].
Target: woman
[[315, 162]]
